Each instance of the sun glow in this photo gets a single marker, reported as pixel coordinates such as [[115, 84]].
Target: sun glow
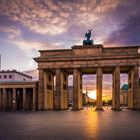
[[92, 94]]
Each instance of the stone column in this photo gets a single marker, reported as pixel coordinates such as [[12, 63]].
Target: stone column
[[99, 79], [64, 93], [133, 88], [28, 102], [116, 89], [4, 99], [14, 102], [24, 99], [7, 93], [77, 89], [1, 99], [58, 90], [10, 100], [48, 89], [34, 99], [136, 90], [130, 88], [61, 89], [41, 90]]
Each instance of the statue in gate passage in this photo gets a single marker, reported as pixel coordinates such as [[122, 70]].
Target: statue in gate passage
[[88, 41]]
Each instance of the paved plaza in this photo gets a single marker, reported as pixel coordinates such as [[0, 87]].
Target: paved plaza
[[70, 125]]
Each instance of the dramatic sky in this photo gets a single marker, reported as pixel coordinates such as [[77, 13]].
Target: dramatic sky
[[27, 26]]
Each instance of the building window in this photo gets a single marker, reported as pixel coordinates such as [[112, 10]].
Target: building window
[[10, 76], [5, 76]]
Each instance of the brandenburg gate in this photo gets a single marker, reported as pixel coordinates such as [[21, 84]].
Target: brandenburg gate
[[86, 59]]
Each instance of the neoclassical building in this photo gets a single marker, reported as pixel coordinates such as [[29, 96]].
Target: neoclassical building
[[17, 91], [86, 59]]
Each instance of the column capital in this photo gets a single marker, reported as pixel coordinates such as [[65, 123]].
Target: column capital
[[41, 69], [117, 68], [99, 70], [57, 70], [77, 69]]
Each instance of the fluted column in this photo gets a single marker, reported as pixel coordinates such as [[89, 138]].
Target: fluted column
[[1, 99], [99, 79], [9, 99], [34, 99], [14, 102], [136, 89], [77, 89], [24, 98], [64, 97], [130, 88], [133, 88], [58, 90], [48, 90], [41, 90], [61, 90], [116, 89], [4, 99]]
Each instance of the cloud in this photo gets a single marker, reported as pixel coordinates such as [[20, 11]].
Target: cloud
[[33, 73], [14, 36], [34, 15], [12, 31], [57, 17], [113, 22], [127, 32], [31, 47]]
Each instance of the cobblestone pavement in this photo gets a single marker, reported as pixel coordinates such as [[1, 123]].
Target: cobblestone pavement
[[70, 125]]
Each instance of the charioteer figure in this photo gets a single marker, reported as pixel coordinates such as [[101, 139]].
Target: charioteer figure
[[88, 41]]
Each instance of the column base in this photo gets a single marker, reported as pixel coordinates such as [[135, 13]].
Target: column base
[[133, 108], [99, 109], [116, 109], [73, 109], [61, 109], [49, 109], [41, 109]]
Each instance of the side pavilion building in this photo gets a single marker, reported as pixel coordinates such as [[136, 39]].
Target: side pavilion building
[[17, 91]]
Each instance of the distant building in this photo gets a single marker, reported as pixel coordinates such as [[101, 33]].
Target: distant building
[[124, 95], [70, 96], [86, 98], [14, 76]]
